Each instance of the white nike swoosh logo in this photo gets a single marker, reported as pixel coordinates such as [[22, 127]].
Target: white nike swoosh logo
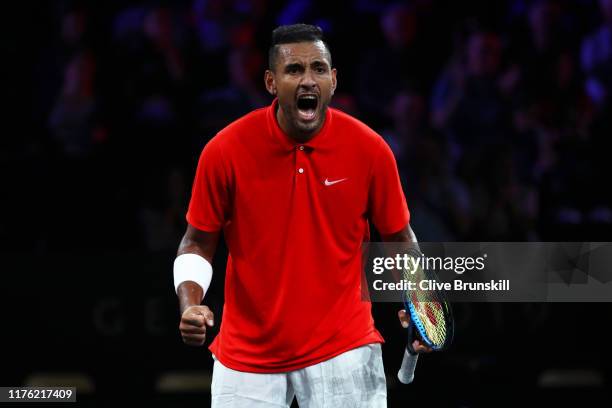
[[331, 183]]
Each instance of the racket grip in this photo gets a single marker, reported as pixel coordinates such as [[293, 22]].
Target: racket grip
[[406, 371]]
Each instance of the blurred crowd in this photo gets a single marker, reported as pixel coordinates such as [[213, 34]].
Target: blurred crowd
[[499, 114]]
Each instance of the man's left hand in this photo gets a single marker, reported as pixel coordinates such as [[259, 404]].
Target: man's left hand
[[417, 344]]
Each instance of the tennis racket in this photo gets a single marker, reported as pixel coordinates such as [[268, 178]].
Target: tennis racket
[[431, 320]]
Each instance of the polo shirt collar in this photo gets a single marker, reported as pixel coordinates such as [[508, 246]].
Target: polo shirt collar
[[317, 141]]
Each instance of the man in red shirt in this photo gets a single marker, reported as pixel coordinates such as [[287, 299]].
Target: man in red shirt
[[293, 187]]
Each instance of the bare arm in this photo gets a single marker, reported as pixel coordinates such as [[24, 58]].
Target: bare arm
[[195, 317], [201, 243], [407, 236]]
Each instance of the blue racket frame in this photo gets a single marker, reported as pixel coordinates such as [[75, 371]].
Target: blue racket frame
[[415, 320]]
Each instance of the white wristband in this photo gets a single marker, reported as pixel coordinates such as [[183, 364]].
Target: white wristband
[[192, 267]]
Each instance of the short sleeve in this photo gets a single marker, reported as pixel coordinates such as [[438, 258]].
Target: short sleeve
[[387, 202], [210, 194]]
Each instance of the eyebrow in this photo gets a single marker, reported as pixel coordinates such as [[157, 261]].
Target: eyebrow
[[293, 65], [316, 62]]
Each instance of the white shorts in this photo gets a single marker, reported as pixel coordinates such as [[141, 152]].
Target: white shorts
[[355, 378]]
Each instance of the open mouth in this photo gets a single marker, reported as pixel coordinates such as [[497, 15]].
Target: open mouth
[[307, 106]]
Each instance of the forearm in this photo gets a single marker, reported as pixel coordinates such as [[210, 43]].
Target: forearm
[[193, 266], [189, 294], [191, 245]]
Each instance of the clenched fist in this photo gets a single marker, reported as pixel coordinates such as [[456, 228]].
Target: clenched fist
[[193, 324]]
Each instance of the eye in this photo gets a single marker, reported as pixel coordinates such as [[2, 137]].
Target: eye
[[319, 68], [293, 69]]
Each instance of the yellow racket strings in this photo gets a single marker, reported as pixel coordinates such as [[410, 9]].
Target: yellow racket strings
[[429, 310]]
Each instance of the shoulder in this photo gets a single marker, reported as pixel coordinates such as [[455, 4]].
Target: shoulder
[[347, 123], [357, 131]]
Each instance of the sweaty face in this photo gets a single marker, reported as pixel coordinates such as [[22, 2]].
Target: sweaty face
[[304, 82]]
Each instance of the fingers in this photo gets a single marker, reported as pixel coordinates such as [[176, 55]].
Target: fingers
[[193, 320], [193, 335], [198, 316], [194, 339], [420, 347], [404, 318], [209, 316], [188, 329], [193, 324], [417, 345]]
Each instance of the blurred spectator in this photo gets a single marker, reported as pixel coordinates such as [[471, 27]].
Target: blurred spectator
[[393, 64], [547, 96], [547, 76], [57, 52], [493, 141], [440, 202], [162, 213], [73, 118], [74, 23], [596, 57], [210, 17], [504, 208], [148, 55], [244, 92], [542, 49], [159, 28], [467, 102], [408, 111], [294, 11]]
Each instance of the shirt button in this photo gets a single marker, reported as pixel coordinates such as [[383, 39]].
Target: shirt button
[[300, 170], [301, 147]]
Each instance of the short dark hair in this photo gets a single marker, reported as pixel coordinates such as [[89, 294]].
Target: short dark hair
[[294, 33]]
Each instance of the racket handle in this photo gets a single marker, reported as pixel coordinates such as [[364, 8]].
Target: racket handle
[[406, 371]]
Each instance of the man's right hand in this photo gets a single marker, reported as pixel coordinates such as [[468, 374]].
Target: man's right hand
[[193, 324]]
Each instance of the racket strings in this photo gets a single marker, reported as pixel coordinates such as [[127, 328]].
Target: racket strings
[[429, 310], [433, 320]]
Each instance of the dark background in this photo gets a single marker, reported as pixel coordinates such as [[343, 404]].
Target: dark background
[[498, 112]]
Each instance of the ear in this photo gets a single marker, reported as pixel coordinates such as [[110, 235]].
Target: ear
[[334, 72], [270, 82]]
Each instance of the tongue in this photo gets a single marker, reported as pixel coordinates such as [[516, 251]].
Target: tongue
[[307, 114]]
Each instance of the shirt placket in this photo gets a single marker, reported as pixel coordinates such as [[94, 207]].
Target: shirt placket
[[300, 164]]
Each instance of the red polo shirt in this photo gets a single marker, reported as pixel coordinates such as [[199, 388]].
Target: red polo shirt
[[294, 218]]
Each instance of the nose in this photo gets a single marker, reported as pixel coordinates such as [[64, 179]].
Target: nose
[[308, 80]]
